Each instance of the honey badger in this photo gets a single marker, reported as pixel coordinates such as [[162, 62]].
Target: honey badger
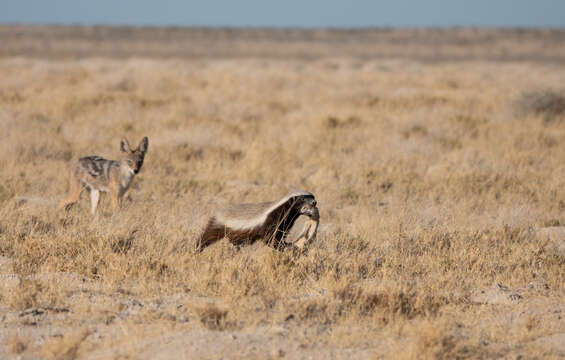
[[269, 221]]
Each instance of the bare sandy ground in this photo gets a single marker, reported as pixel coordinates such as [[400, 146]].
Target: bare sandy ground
[[102, 323], [186, 340]]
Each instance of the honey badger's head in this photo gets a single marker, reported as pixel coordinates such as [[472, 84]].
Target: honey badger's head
[[306, 205]]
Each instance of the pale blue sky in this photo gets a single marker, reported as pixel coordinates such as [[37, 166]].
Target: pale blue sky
[[304, 13]]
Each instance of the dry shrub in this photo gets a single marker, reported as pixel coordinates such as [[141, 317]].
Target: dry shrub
[[549, 104], [443, 338], [17, 344], [34, 294], [4, 194], [351, 303], [213, 317], [433, 344], [65, 347]]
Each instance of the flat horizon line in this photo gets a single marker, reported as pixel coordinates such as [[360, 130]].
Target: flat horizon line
[[285, 27]]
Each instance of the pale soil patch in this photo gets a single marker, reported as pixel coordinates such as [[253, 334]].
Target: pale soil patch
[[117, 324], [115, 328]]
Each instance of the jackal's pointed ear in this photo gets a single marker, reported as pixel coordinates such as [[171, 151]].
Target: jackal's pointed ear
[[124, 145], [143, 145]]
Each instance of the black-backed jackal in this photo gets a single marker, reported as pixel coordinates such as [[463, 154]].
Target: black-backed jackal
[[97, 174]]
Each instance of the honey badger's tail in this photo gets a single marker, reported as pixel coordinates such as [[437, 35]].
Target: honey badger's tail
[[212, 232]]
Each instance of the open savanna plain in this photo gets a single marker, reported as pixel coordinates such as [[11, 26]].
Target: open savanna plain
[[436, 156]]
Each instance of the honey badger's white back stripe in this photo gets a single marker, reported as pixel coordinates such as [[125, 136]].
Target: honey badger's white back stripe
[[245, 224]]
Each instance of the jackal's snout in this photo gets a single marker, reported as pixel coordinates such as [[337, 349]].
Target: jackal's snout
[[138, 165]]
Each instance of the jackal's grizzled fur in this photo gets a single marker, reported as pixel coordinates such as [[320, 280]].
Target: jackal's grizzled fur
[[97, 174], [247, 223]]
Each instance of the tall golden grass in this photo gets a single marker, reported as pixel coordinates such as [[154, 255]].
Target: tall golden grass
[[432, 181]]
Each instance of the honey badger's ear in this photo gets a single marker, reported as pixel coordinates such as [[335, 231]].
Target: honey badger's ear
[[143, 145], [124, 145]]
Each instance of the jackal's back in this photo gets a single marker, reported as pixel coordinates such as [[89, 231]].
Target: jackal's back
[[95, 171]]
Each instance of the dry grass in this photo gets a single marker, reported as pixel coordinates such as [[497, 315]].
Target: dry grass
[[17, 345], [431, 179], [66, 347], [548, 103]]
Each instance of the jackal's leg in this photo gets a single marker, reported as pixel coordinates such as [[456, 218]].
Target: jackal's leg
[[94, 197], [115, 196], [73, 195]]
